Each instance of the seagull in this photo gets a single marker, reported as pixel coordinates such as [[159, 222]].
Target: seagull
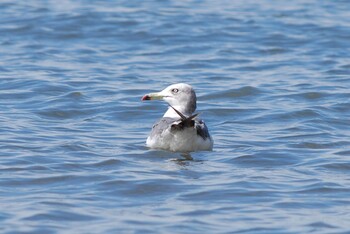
[[179, 130]]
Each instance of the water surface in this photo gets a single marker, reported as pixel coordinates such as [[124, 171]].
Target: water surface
[[272, 80]]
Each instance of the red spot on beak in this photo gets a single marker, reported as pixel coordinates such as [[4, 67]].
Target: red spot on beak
[[146, 97]]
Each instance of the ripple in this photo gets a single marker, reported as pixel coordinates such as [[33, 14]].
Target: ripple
[[324, 188], [315, 145], [243, 92], [266, 160], [60, 216], [63, 114], [337, 166]]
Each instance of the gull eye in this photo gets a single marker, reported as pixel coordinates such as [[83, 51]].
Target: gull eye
[[175, 90]]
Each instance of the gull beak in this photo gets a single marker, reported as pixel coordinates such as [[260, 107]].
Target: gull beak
[[152, 96]]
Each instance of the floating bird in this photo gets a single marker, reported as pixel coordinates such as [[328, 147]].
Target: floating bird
[[179, 129]]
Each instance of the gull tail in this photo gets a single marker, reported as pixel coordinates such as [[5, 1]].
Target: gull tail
[[184, 121]]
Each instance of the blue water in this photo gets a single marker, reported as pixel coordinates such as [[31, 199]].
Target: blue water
[[272, 80]]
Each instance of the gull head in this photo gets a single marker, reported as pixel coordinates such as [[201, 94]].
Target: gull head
[[181, 96]]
